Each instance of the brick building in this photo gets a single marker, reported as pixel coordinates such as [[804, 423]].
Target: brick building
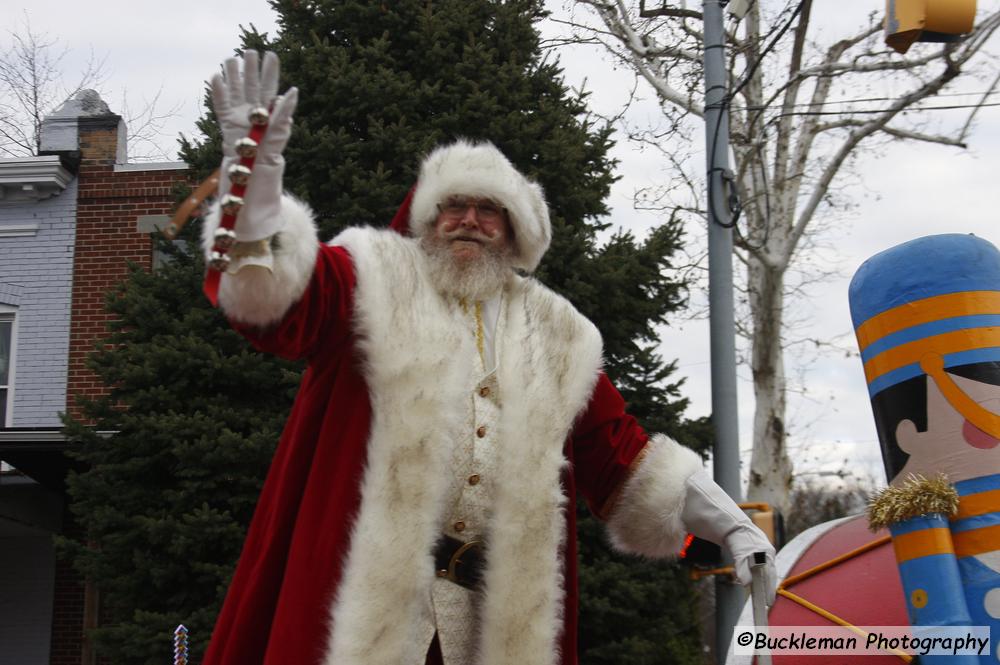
[[70, 221]]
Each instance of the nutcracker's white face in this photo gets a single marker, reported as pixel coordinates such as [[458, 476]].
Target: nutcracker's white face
[[951, 444], [470, 247]]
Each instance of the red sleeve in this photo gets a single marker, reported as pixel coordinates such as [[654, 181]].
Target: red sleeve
[[319, 319], [607, 444]]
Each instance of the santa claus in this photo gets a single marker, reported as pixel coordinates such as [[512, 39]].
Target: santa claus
[[419, 506]]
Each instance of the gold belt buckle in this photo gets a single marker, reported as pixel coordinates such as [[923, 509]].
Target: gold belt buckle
[[457, 557]]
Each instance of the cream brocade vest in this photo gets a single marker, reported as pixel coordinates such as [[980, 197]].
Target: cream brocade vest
[[451, 609]]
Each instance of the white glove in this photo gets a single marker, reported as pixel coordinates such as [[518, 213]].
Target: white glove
[[233, 96], [711, 514]]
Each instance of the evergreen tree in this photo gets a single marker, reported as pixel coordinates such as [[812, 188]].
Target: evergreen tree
[[167, 498], [174, 461]]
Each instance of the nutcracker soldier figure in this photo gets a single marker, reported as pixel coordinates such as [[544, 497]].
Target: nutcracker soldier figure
[[927, 318]]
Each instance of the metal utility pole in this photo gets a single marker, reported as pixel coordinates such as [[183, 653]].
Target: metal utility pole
[[729, 597]]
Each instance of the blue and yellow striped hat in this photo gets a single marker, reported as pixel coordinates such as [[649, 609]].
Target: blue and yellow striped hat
[[929, 302]]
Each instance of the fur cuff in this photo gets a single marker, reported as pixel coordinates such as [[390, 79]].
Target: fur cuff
[[646, 519], [261, 296]]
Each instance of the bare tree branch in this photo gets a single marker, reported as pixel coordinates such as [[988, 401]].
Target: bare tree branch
[[787, 167], [668, 12], [795, 78], [145, 127], [864, 130], [982, 101], [641, 51], [857, 67], [16, 137], [896, 132], [791, 91], [32, 77], [952, 69]]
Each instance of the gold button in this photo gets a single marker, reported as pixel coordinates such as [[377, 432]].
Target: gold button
[[484, 391], [459, 526], [474, 479], [481, 432], [442, 573]]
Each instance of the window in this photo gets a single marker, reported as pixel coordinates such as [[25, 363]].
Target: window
[[6, 365]]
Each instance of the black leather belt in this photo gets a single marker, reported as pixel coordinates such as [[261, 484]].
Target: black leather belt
[[458, 561]]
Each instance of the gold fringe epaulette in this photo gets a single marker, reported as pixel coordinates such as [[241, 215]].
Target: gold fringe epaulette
[[915, 497]]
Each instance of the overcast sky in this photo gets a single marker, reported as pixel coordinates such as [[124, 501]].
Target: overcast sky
[[901, 193]]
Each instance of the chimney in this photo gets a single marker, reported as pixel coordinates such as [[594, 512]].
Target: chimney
[[84, 126]]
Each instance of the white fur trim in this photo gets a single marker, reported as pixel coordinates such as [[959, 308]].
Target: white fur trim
[[261, 296], [549, 365], [415, 352], [646, 519], [479, 169], [413, 387]]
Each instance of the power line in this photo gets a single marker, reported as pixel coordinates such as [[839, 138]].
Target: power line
[[759, 107], [876, 111]]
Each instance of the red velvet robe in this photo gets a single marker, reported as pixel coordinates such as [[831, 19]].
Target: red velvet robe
[[276, 610]]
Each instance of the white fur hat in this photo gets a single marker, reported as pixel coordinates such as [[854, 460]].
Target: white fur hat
[[479, 169]]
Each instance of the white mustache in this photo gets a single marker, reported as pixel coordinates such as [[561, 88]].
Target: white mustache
[[467, 235]]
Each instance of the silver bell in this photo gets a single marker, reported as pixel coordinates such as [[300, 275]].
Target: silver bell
[[246, 147], [238, 174], [224, 238], [231, 204], [218, 261], [259, 115]]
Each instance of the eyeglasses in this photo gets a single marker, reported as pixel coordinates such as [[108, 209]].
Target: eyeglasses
[[486, 210]]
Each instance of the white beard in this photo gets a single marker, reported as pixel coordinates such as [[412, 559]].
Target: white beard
[[479, 279]]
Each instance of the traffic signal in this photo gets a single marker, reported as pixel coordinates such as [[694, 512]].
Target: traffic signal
[[700, 553], [705, 557], [908, 21]]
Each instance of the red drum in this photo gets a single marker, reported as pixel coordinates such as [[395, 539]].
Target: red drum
[[863, 590]]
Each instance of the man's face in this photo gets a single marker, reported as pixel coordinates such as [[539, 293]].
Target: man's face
[[471, 226]]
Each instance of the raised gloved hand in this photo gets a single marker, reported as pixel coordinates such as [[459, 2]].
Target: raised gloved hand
[[711, 514], [234, 96]]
